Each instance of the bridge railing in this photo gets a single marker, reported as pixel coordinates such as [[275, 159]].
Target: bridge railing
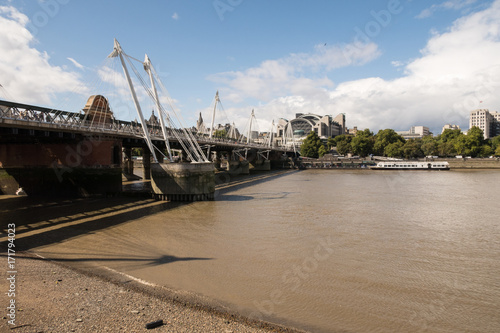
[[44, 118]]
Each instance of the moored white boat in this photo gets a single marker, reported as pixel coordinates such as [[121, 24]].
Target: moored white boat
[[402, 165]]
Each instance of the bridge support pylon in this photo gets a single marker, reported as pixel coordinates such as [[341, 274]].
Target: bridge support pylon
[[128, 162], [146, 162], [238, 167], [183, 181], [261, 165]]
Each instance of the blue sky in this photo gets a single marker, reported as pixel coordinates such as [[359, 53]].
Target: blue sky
[[385, 64]]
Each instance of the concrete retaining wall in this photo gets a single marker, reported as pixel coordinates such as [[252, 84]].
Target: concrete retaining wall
[[473, 163]]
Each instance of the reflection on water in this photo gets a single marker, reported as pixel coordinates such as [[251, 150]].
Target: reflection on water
[[343, 250]]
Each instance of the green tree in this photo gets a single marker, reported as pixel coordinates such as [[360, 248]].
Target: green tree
[[475, 136], [446, 149], [429, 146], [310, 146], [342, 137], [384, 138], [497, 151], [362, 143], [343, 147], [411, 149], [460, 145], [486, 151], [343, 143], [394, 149], [449, 135], [365, 133], [220, 133], [448, 141], [330, 143], [322, 151], [495, 142], [474, 141]]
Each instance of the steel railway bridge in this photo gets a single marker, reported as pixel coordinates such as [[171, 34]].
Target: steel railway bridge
[[38, 143]]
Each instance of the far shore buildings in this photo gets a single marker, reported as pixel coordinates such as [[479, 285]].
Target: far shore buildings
[[298, 128], [230, 129], [352, 131], [488, 121], [448, 126], [415, 132]]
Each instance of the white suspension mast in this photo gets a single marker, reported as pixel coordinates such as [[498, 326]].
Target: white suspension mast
[[185, 137], [232, 132], [270, 144], [213, 114], [250, 126], [213, 122], [289, 134], [147, 68], [117, 51]]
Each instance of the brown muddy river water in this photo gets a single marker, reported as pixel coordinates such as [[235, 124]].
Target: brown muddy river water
[[322, 250]]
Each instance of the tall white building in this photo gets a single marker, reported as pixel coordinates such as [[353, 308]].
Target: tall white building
[[488, 122]]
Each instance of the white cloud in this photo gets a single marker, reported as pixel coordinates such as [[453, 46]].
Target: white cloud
[[456, 70], [397, 63], [450, 5], [285, 76], [26, 72], [175, 16], [76, 63]]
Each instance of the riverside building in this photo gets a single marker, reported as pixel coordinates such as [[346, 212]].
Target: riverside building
[[325, 126], [448, 126], [415, 132], [488, 122]]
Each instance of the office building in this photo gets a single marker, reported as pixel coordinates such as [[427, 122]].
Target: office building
[[488, 122], [415, 132], [448, 126]]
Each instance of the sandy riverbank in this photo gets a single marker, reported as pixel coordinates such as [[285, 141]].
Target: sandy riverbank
[[51, 297]]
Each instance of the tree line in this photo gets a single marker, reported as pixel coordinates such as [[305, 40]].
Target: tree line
[[390, 144]]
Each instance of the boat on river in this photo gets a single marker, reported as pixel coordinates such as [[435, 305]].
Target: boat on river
[[403, 165]]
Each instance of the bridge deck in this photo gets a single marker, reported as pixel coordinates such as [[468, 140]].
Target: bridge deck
[[25, 116]]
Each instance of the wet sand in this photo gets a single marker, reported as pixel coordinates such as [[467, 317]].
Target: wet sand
[[51, 297]]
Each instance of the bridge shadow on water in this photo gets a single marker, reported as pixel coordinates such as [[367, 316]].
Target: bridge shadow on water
[[148, 261], [46, 221], [40, 222], [234, 197], [226, 183]]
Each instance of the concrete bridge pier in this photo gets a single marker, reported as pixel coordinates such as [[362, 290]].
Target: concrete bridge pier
[[146, 162], [245, 167], [128, 162], [218, 160], [183, 181], [238, 167], [261, 165]]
